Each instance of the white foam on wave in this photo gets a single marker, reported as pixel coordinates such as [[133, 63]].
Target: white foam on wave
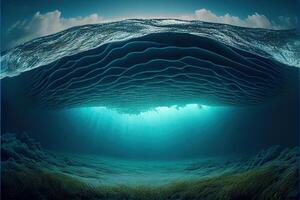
[[280, 45]]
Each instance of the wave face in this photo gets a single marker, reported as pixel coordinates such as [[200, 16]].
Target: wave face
[[159, 69], [282, 46]]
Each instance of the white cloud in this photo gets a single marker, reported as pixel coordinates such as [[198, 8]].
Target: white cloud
[[46, 24], [255, 20], [252, 21]]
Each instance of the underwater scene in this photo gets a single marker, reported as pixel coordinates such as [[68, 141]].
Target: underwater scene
[[152, 109]]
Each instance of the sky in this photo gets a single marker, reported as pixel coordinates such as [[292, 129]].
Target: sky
[[22, 20]]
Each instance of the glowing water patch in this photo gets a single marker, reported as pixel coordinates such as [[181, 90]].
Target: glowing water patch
[[162, 129], [158, 115], [168, 111], [160, 120], [161, 115]]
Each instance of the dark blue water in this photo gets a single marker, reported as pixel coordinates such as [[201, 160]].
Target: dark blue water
[[151, 104]]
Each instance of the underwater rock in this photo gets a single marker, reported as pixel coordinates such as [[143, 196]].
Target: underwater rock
[[20, 148], [265, 156], [289, 156]]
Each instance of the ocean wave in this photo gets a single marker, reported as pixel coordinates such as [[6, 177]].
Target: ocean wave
[[159, 69], [281, 45]]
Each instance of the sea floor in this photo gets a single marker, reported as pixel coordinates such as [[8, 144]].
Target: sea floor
[[30, 172]]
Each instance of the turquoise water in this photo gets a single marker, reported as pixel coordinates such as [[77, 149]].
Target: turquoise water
[[189, 102]]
